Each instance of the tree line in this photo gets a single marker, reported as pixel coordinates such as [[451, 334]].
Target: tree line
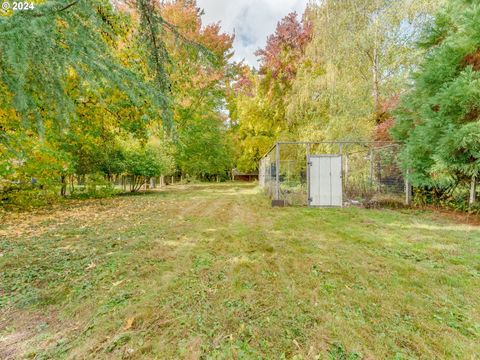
[[95, 90]]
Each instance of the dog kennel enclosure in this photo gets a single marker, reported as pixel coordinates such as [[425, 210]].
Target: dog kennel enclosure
[[333, 174]]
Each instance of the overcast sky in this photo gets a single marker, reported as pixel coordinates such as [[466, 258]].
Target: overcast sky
[[252, 20]]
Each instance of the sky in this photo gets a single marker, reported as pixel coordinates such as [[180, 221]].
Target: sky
[[252, 20]]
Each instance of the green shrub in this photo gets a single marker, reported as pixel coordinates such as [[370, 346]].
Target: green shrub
[[17, 197], [95, 186]]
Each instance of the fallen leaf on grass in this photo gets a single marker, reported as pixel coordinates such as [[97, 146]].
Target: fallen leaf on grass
[[194, 349], [129, 323]]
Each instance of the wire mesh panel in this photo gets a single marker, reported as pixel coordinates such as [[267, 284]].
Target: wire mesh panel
[[370, 171], [372, 174], [267, 174], [292, 174]]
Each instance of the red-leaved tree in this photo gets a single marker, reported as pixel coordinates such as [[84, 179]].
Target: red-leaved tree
[[285, 47]]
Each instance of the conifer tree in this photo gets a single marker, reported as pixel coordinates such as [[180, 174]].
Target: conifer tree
[[439, 119]]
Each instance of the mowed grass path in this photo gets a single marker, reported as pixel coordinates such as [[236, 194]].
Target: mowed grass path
[[213, 272]]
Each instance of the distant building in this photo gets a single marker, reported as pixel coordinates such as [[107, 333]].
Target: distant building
[[247, 177]]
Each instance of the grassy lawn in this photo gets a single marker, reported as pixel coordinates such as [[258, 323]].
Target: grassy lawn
[[213, 272]]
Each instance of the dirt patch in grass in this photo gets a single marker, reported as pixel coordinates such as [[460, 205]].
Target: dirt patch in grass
[[458, 217], [473, 60], [19, 331]]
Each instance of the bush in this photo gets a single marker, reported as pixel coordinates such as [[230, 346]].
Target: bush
[[454, 200], [95, 186], [18, 197]]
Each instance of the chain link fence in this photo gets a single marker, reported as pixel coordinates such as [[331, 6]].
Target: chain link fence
[[370, 172]]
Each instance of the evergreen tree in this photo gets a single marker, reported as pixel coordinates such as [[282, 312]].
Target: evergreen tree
[[439, 119]]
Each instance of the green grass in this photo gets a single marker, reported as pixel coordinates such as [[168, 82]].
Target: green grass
[[214, 272]]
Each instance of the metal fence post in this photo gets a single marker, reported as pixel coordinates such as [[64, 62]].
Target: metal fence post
[[308, 174], [346, 171], [371, 167], [408, 190], [277, 171], [342, 172]]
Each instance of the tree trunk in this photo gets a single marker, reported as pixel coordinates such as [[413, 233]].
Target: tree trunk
[[473, 191], [376, 86], [63, 189], [72, 184]]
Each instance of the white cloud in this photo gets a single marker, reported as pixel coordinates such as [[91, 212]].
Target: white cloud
[[252, 21]]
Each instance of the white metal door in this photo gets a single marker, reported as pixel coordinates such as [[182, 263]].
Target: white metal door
[[325, 180]]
